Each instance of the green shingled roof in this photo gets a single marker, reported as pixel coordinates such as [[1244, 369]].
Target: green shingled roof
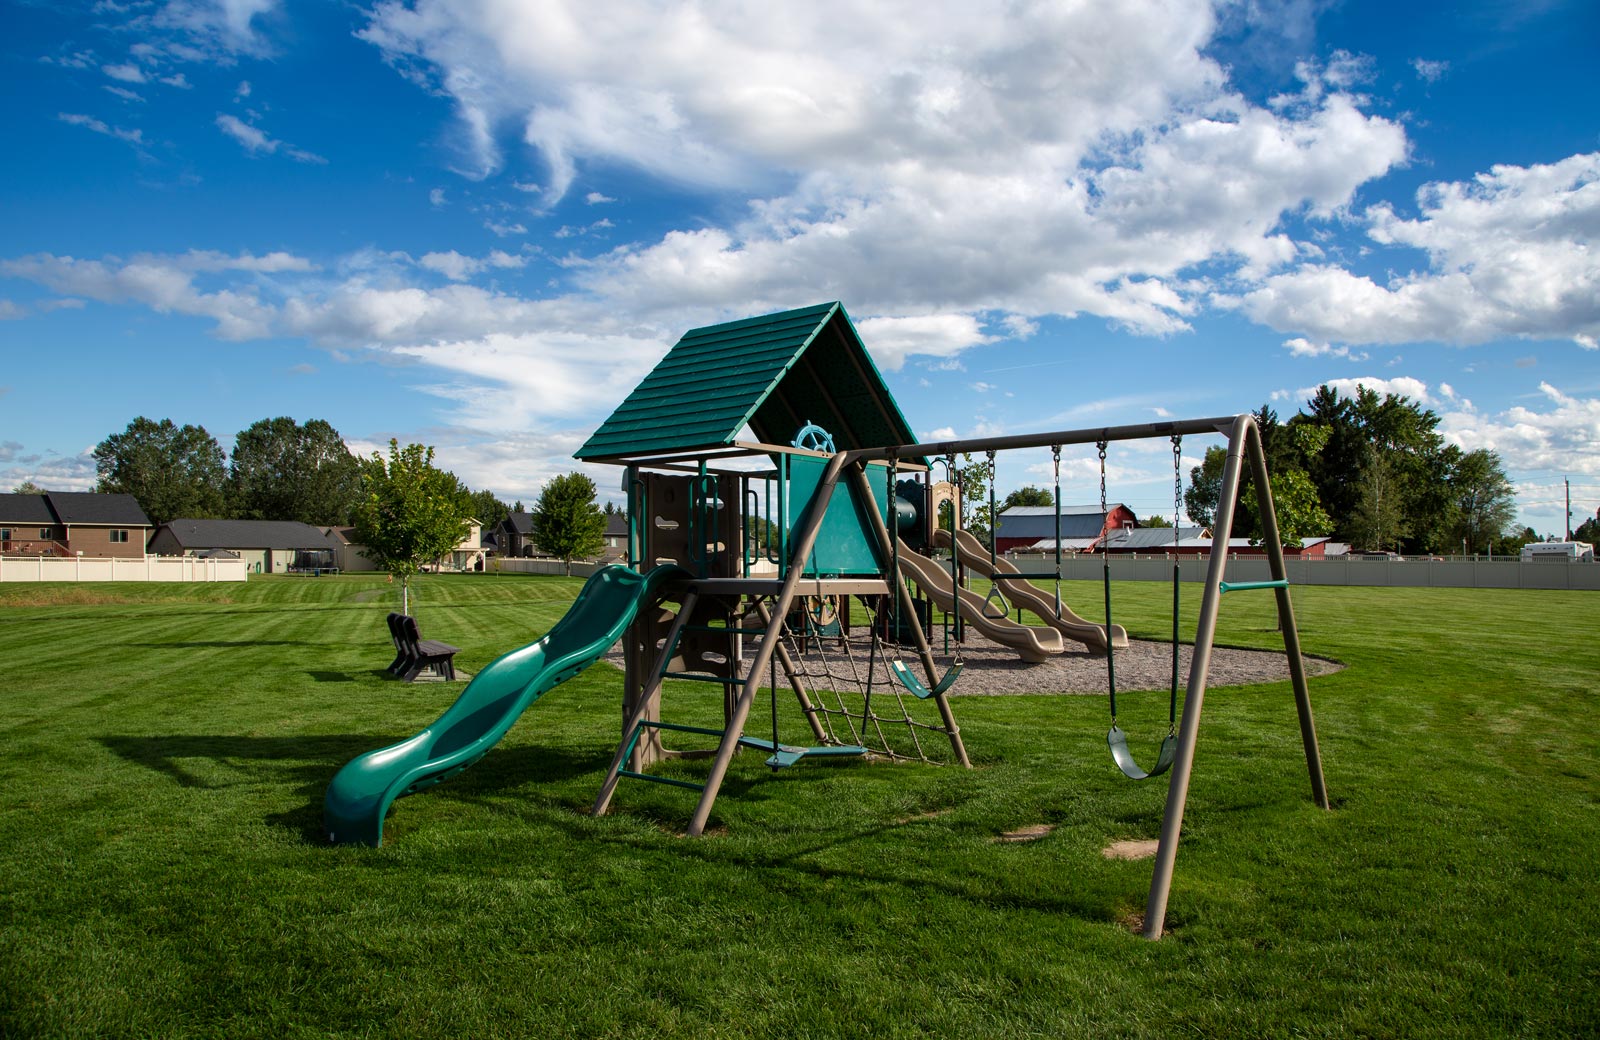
[[775, 373]]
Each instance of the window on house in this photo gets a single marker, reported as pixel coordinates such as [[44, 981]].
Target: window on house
[[5, 534], [47, 533], [119, 536]]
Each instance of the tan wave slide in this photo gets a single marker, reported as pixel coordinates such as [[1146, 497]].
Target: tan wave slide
[[1031, 643], [1028, 596]]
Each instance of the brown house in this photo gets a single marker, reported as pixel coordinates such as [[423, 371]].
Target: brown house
[[73, 523]]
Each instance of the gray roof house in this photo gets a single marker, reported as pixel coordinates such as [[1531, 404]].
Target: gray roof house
[[265, 545], [68, 523]]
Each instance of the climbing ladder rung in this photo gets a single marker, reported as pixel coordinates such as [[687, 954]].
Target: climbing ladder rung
[[1246, 586], [669, 781]]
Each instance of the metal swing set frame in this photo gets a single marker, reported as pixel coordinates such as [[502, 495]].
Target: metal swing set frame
[[775, 599]]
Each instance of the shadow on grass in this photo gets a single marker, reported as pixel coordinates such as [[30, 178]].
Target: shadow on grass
[[307, 764]]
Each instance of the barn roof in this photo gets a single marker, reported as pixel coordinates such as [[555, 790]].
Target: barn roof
[[774, 373]]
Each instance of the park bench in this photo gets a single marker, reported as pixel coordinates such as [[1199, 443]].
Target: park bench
[[415, 655]]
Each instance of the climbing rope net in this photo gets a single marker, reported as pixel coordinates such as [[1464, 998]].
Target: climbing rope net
[[844, 684]]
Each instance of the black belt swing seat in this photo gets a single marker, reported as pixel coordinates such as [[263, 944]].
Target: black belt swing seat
[[1116, 737]]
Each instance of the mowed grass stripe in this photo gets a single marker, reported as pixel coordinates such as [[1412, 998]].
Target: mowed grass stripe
[[167, 756]]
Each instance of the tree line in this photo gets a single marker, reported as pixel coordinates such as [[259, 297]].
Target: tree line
[[278, 470], [1373, 471]]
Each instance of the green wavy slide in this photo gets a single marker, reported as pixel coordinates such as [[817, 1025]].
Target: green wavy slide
[[361, 793]]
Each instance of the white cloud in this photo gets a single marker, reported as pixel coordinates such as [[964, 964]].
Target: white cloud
[[10, 310], [127, 72], [1510, 255], [1058, 160], [135, 137], [459, 268], [505, 230], [1430, 71], [1299, 346], [166, 284], [1401, 386], [124, 93], [256, 140], [594, 198], [1562, 438], [436, 197], [178, 80]]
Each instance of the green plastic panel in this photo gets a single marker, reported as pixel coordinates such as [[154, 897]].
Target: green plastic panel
[[845, 545]]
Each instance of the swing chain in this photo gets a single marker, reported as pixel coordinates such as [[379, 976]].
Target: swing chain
[[1101, 446], [1177, 485]]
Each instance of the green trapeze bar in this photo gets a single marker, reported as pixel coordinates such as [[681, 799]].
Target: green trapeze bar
[[1246, 586]]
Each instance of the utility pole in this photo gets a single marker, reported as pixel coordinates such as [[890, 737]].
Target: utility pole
[[1568, 482]]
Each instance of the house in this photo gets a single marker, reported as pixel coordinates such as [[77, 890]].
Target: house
[[616, 547], [73, 523], [266, 546], [515, 535], [1033, 528], [350, 555]]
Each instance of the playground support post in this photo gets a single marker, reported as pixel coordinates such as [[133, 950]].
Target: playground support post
[[1243, 438], [804, 542]]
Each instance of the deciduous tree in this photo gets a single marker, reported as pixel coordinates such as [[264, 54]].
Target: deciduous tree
[[566, 522], [284, 471], [410, 513], [172, 471]]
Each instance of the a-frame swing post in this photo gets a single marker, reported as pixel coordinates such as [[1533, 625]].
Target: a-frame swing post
[[805, 540], [1243, 439], [1155, 909], [1286, 622]]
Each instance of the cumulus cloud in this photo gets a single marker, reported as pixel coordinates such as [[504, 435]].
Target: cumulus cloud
[[459, 268], [1509, 254], [1561, 437], [1060, 160], [1400, 386]]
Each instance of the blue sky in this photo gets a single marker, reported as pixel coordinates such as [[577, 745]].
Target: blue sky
[[477, 224]]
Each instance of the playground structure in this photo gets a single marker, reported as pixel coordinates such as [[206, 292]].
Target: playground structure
[[752, 524]]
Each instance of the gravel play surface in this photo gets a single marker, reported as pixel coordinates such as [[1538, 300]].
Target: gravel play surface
[[994, 670]]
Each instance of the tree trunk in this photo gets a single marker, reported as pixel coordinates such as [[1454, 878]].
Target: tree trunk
[[405, 593]]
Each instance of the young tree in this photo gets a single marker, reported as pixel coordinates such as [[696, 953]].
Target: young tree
[[284, 471], [172, 471], [566, 521], [410, 513], [1379, 521]]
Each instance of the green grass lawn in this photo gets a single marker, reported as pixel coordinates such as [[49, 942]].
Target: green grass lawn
[[166, 748]]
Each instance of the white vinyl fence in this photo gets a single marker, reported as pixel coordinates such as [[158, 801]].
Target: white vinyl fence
[[515, 565], [1455, 573], [109, 568]]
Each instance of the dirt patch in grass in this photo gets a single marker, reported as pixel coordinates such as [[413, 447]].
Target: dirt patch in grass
[[1032, 832], [1132, 848]]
